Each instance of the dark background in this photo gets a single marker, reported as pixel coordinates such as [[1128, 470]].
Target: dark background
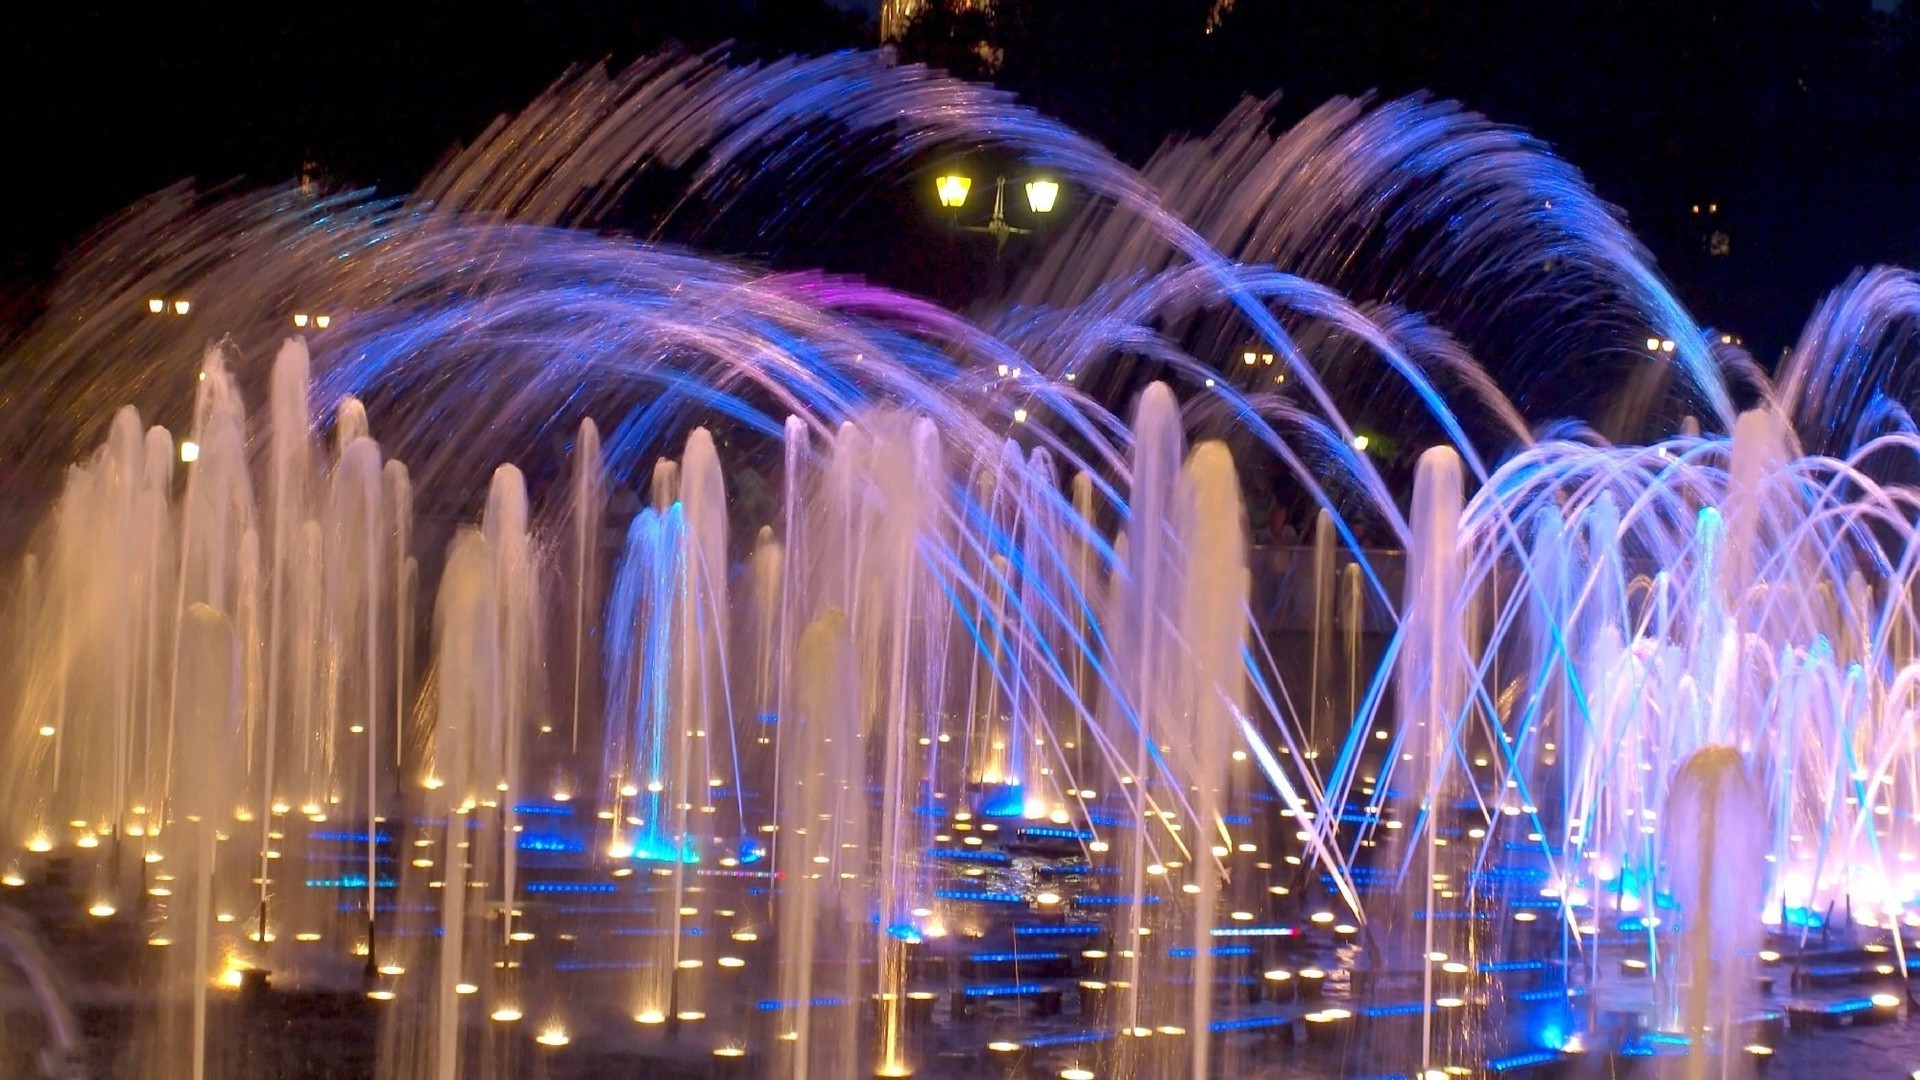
[[1797, 120]]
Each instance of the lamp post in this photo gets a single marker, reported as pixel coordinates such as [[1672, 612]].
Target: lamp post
[[1042, 193]]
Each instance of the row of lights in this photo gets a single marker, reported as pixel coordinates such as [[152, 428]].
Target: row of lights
[[1667, 345], [158, 305]]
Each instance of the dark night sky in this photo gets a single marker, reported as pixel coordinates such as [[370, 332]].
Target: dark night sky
[[1799, 116]]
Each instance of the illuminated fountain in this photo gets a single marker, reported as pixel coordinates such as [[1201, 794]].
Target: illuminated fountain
[[465, 682]]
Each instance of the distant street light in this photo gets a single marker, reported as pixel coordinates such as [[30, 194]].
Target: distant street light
[[1360, 443]]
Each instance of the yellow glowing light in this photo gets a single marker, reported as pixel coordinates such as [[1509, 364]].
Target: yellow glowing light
[[552, 1035], [1360, 442], [189, 451], [380, 995], [1047, 899], [300, 319], [650, 1016], [321, 321], [465, 988], [181, 307], [46, 730], [232, 973], [156, 305], [506, 1014], [953, 190], [88, 841], [39, 842], [1042, 194], [729, 1052], [13, 880], [731, 962], [690, 1015], [1075, 1072], [101, 910]]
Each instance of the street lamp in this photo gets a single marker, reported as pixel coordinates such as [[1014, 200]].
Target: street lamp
[[953, 190], [1043, 194]]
